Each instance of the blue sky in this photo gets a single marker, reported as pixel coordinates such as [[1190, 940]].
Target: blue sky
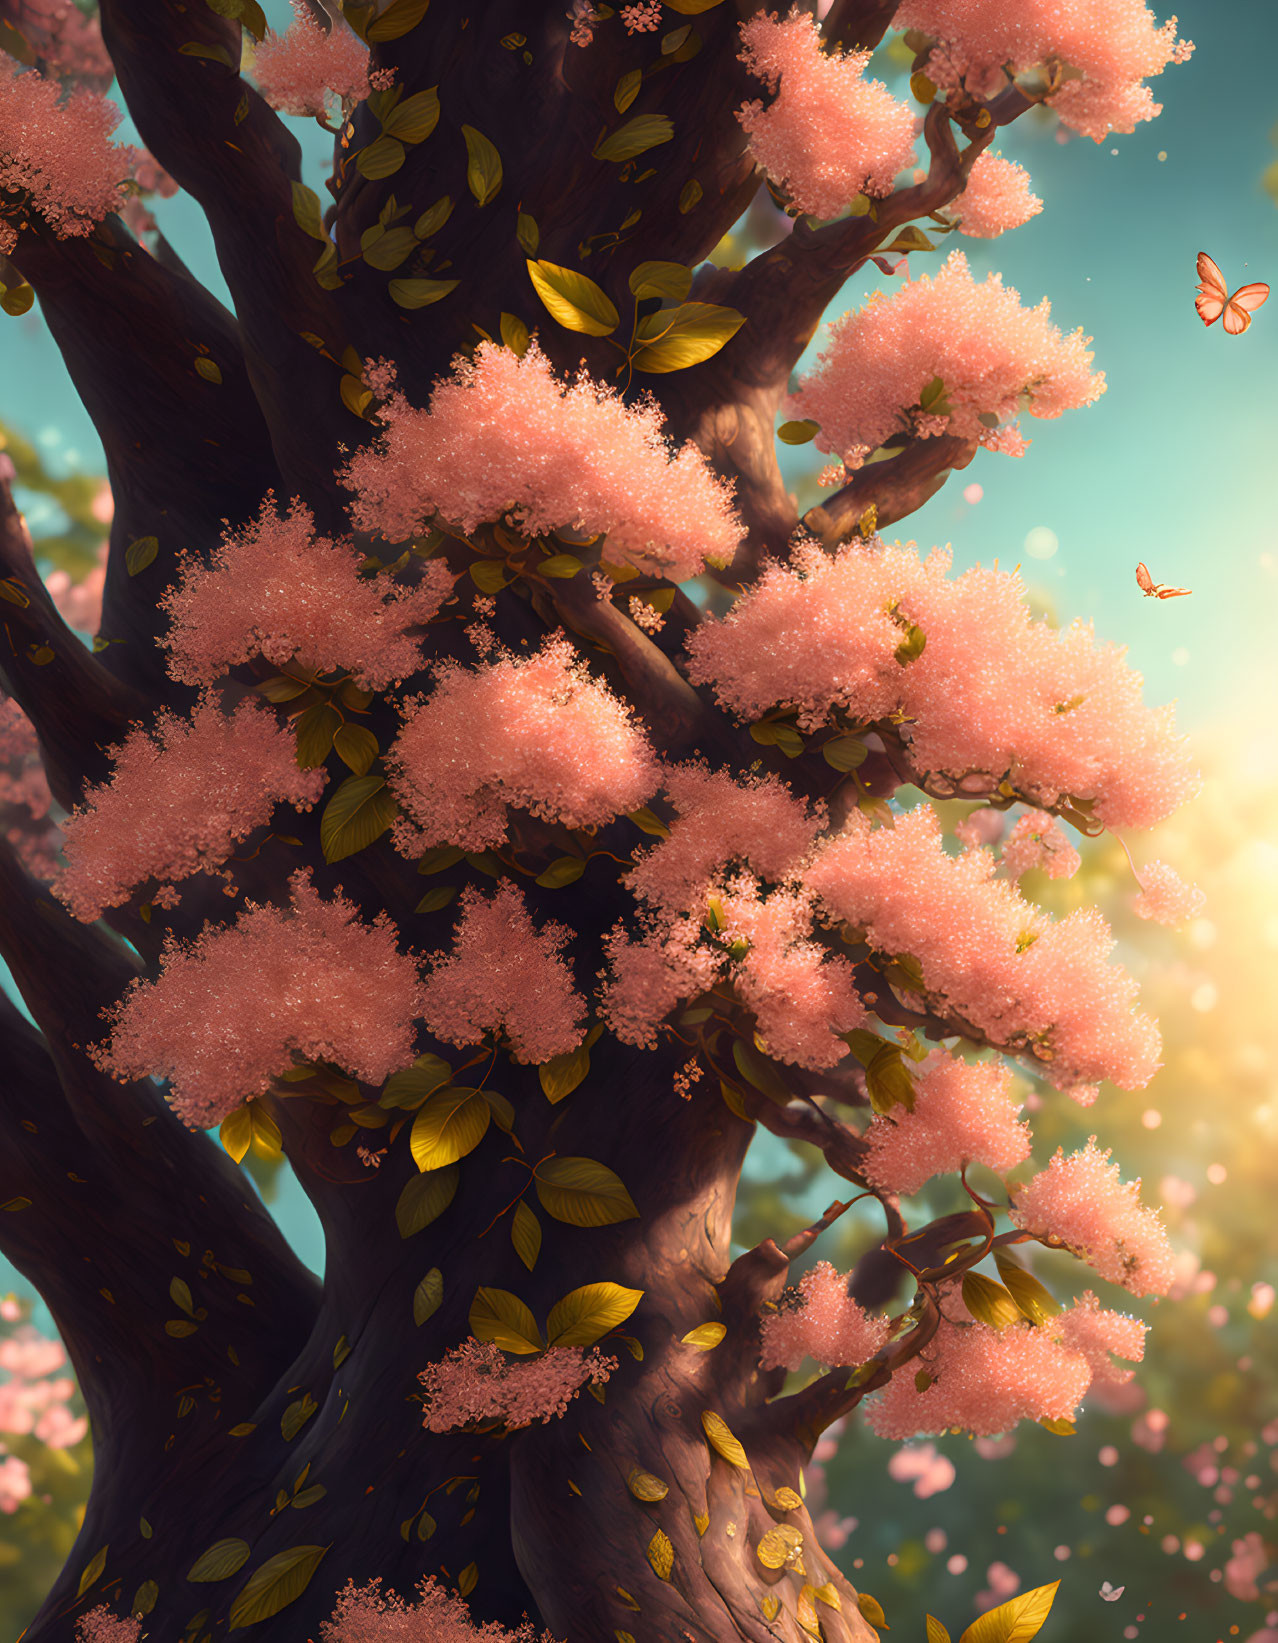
[[1174, 465]]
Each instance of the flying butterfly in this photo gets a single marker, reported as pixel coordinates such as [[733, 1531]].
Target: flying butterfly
[[1213, 298], [1156, 590]]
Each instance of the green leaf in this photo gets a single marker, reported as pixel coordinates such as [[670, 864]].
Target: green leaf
[[502, 1318], [585, 1315], [341, 1351], [503, 1110], [572, 299], [763, 1075], [145, 1598], [216, 54], [689, 196], [637, 136], [564, 870], [798, 433], [989, 1302], [223, 1559], [440, 859], [356, 747], [675, 338], [308, 1497], [17, 299], [92, 1570], [910, 239], [560, 566], [661, 279], [844, 753], [525, 1234], [391, 248], [1014, 1622], [140, 552], [432, 220], [449, 1125], [315, 729], [483, 169], [180, 1295], [887, 1080], [296, 1416], [428, 1296], [382, 158], [912, 646], [561, 1075], [397, 20], [411, 1085], [359, 812], [647, 822], [434, 901], [772, 734], [627, 90], [583, 1193], [413, 120], [489, 575], [527, 233], [932, 398], [280, 1581], [425, 1198]]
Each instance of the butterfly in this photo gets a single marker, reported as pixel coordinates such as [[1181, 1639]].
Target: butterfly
[[1111, 1594], [1213, 298], [1156, 590]]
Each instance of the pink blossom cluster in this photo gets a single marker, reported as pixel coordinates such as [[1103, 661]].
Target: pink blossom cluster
[[722, 817], [829, 134], [1088, 1327], [536, 731], [505, 435], [80, 603], [99, 1625], [994, 358], [963, 1113], [642, 17], [1081, 1202], [182, 792], [979, 827], [1112, 45], [994, 693], [800, 996], [1250, 1559], [1165, 897], [364, 1615], [984, 1380], [476, 1381], [650, 973], [56, 153], [24, 794], [276, 589], [987, 956], [997, 197], [504, 975], [1036, 841], [922, 1464], [1004, 1582], [68, 41], [828, 1325], [33, 1403], [226, 1008], [302, 70]]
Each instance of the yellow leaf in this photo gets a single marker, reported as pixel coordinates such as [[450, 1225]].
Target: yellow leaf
[[140, 552], [778, 1546], [675, 338], [382, 158], [498, 1316], [787, 1499], [359, 812], [936, 1633], [223, 1559], [315, 726], [1014, 1622], [563, 871], [705, 1337], [828, 1595], [627, 90], [561, 1075], [356, 747], [296, 1416], [411, 1085], [762, 1074], [844, 753], [450, 1124], [692, 8], [483, 170], [425, 1198], [770, 1604], [180, 1295], [583, 1193], [717, 1431], [397, 20], [433, 219], [585, 1315], [922, 89], [1060, 1428], [209, 369], [560, 566], [525, 1235], [527, 233], [643, 1486], [413, 119], [145, 1598], [467, 1578], [872, 1609], [390, 248], [637, 136], [661, 279], [277, 1583], [428, 1296], [17, 299], [661, 1554], [689, 196], [988, 1302], [805, 1610], [92, 1570], [308, 214], [236, 1131], [1037, 1303], [645, 820], [514, 335], [575, 301]]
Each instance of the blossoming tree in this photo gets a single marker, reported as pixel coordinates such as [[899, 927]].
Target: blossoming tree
[[482, 788]]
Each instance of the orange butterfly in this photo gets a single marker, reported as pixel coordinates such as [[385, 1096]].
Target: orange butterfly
[[1213, 298], [1156, 590]]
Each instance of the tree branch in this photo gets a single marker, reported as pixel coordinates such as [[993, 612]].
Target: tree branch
[[894, 488], [70, 698], [858, 25]]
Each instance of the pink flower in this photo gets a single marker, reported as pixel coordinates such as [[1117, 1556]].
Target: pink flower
[[1003, 1583], [56, 154], [182, 793], [15, 1482], [1087, 1327], [303, 70], [829, 134], [649, 975], [1112, 45], [69, 41], [101, 1626], [504, 975], [642, 17], [275, 589], [80, 603], [505, 435], [979, 827], [1251, 1558], [930, 1472], [364, 1615], [1080, 1202], [476, 1382], [1037, 841], [997, 197], [1165, 896], [227, 1008], [827, 1325], [536, 731], [30, 1355], [963, 1113]]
